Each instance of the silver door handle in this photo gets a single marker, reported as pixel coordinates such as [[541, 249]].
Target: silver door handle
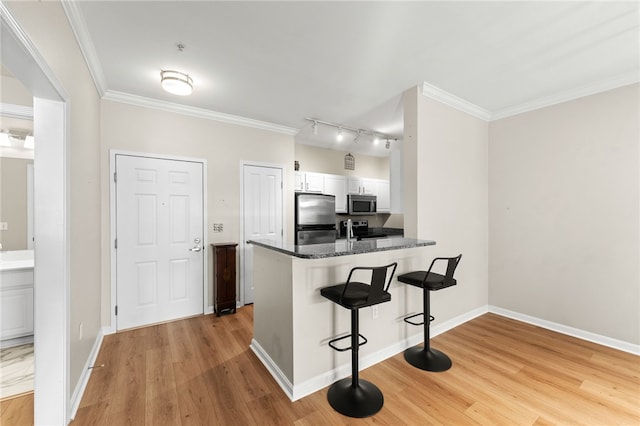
[[196, 245]]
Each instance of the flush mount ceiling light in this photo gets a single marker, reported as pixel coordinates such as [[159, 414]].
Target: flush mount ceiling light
[[339, 137], [176, 82]]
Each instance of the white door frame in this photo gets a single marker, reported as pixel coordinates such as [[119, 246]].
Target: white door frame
[[242, 239], [51, 220], [112, 214]]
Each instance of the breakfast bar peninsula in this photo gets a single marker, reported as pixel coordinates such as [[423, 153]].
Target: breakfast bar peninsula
[[293, 322]]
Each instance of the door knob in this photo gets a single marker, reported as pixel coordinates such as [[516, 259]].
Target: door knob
[[196, 245]]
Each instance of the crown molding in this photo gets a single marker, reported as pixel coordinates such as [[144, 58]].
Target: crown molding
[[569, 95], [21, 56], [79, 28], [141, 101], [453, 101], [16, 111]]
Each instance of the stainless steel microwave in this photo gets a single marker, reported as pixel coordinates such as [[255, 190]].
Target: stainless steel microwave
[[362, 204]]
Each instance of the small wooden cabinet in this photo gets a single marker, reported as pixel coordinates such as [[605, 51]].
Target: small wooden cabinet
[[224, 278]]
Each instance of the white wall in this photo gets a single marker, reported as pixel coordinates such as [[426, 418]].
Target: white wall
[[564, 196], [314, 159], [46, 25], [446, 195], [224, 146]]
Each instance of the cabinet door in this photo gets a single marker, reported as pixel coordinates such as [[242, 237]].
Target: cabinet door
[[369, 186], [314, 182], [384, 196], [298, 181], [337, 185], [354, 185]]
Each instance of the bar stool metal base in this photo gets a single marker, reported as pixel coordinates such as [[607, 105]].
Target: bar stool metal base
[[429, 359], [363, 400]]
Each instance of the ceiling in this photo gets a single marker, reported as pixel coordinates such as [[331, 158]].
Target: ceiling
[[349, 62]]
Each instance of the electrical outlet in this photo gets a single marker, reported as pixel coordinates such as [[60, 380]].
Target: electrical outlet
[[374, 312], [218, 227]]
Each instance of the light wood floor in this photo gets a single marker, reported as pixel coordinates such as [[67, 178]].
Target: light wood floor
[[200, 371]]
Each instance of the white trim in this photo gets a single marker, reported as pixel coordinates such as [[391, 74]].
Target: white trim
[[16, 111], [242, 243], [271, 366], [463, 105], [206, 114], [76, 398], [10, 343], [51, 192], [30, 199], [112, 212], [79, 27], [569, 95], [454, 101], [22, 58], [570, 331], [295, 392]]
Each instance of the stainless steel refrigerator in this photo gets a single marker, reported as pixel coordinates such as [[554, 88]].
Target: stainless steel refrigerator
[[315, 218]]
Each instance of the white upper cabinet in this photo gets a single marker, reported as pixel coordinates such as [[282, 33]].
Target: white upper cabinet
[[337, 185], [309, 182], [383, 192], [362, 186]]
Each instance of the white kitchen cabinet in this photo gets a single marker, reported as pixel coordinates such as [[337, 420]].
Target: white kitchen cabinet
[[309, 181], [298, 181], [362, 186], [383, 192], [337, 185]]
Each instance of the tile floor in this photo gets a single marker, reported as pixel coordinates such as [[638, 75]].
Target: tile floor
[[16, 370]]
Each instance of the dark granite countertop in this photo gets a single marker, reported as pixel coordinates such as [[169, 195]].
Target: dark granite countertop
[[342, 247]]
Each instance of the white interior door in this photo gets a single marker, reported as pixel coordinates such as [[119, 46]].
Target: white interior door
[[159, 235], [262, 215]]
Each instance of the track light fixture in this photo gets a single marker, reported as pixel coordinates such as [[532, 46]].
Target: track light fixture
[[375, 136]]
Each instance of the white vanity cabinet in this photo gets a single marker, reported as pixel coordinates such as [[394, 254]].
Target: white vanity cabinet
[[16, 303]]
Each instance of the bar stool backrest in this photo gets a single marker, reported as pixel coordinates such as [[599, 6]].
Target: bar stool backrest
[[452, 264], [379, 282]]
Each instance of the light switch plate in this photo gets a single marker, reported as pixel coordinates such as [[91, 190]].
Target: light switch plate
[[4, 226]]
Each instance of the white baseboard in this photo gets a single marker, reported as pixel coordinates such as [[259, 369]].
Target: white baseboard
[[76, 398], [295, 392], [564, 329], [10, 343], [275, 371]]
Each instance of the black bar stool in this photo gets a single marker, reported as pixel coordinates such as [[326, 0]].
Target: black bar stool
[[354, 397], [427, 358]]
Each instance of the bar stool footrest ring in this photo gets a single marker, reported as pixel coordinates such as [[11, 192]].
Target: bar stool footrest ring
[[334, 347]]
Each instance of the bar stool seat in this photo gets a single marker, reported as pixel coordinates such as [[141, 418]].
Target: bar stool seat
[[428, 358], [353, 396]]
